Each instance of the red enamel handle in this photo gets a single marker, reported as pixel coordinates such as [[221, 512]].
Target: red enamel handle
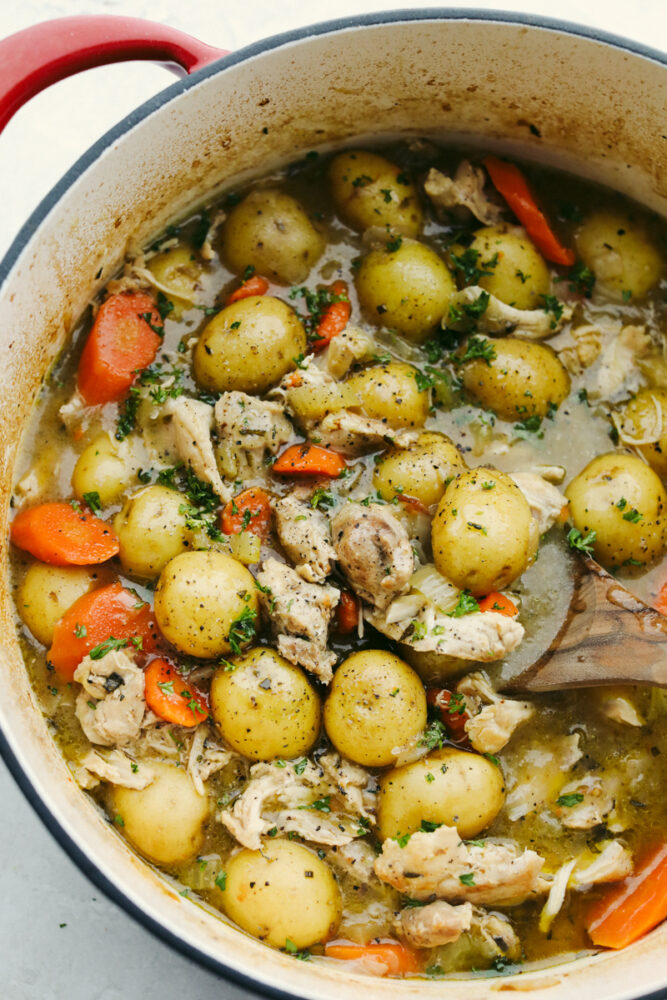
[[38, 56]]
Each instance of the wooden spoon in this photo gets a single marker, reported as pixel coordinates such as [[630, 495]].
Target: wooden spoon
[[608, 636]]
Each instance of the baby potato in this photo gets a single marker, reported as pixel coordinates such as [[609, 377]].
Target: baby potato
[[420, 471], [407, 289], [179, 272], [270, 231], [368, 190], [151, 530], [623, 501], [435, 669], [249, 346], [481, 532], [644, 417], [266, 707], [376, 704], [47, 592], [165, 820], [448, 786], [521, 379], [200, 597], [100, 469], [620, 252], [519, 275], [390, 392], [282, 893]]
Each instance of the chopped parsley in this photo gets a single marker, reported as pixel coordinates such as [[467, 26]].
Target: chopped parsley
[[476, 347], [221, 880], [569, 800], [467, 879], [465, 605], [100, 651], [243, 629], [427, 826], [477, 308], [395, 243], [634, 516], [301, 765], [434, 735], [80, 631], [553, 306], [322, 498], [581, 279], [127, 418], [93, 501], [466, 263], [317, 302], [403, 839], [576, 540], [291, 949], [320, 805]]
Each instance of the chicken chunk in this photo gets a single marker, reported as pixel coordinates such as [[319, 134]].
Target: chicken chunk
[[111, 705], [499, 318], [191, 425], [493, 718], [355, 860], [305, 536], [611, 865], [118, 768], [465, 190], [617, 704], [205, 758], [617, 372], [431, 865], [436, 924], [353, 434], [300, 614], [250, 429], [537, 778], [595, 802], [374, 552], [344, 350], [544, 499]]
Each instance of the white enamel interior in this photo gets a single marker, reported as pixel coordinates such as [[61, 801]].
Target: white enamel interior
[[600, 111]]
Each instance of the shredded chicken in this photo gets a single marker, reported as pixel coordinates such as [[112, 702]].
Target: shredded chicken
[[118, 768], [611, 865], [492, 728], [617, 372], [355, 860], [250, 428], [539, 777], [300, 614], [499, 318], [191, 423], [305, 536], [75, 413], [581, 348], [374, 552], [465, 190], [497, 933], [111, 705], [596, 803], [618, 706], [344, 350], [205, 757], [287, 798], [431, 865], [353, 434], [545, 501], [436, 924]]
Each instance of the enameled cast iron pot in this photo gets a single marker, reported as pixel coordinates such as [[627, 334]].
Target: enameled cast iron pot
[[546, 91]]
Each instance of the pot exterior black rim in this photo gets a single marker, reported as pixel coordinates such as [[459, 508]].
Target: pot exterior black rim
[[22, 239]]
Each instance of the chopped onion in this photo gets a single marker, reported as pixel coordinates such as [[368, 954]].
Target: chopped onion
[[443, 594]]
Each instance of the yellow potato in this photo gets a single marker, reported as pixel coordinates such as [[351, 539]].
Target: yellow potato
[[420, 471], [100, 469], [405, 287], [151, 530], [376, 705], [369, 190], [481, 532], [165, 820], [47, 592], [519, 275], [619, 250], [204, 599], [249, 346], [391, 392], [283, 893], [521, 379], [270, 231], [266, 707], [448, 786], [623, 501], [179, 273], [644, 418]]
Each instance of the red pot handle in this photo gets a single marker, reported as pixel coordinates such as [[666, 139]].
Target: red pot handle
[[38, 56]]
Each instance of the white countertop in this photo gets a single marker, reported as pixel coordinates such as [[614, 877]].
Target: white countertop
[[59, 937]]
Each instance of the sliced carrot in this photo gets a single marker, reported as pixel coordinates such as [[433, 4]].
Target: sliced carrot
[[564, 513], [309, 460], [347, 613], [396, 957], [64, 535], [334, 318], [634, 906], [498, 602], [248, 511], [660, 603], [123, 340], [171, 697], [108, 612], [513, 186], [256, 285], [453, 712]]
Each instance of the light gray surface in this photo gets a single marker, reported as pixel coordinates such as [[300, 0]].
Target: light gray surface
[[59, 937]]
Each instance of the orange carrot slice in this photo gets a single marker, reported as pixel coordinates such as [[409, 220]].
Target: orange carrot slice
[[171, 697], [309, 460], [248, 511], [63, 535]]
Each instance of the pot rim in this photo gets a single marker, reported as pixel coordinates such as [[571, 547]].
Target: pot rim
[[39, 214]]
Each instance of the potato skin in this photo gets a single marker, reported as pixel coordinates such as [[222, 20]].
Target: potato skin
[[100, 469], [640, 418], [48, 591], [151, 530], [266, 707], [594, 497], [253, 355], [283, 891], [165, 820], [620, 252], [420, 471], [197, 599], [467, 791], [407, 289], [520, 276], [376, 703], [179, 271], [523, 380], [481, 535], [270, 231], [369, 190], [390, 392]]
